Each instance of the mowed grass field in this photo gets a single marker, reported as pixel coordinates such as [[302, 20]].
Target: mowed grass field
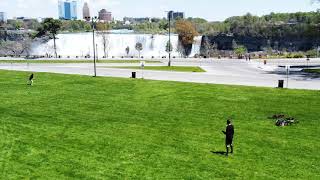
[[79, 127], [316, 71]]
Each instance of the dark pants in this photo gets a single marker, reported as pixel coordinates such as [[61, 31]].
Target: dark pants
[[229, 145]]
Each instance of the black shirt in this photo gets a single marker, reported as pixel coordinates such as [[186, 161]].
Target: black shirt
[[31, 77], [229, 131]]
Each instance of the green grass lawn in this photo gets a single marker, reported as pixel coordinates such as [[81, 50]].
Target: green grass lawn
[[317, 71], [79, 127], [75, 61], [165, 68]]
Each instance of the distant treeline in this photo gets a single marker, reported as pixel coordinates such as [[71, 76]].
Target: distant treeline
[[274, 25], [278, 31]]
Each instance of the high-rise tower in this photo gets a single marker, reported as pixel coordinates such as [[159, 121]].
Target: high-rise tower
[[86, 11], [105, 15], [67, 9]]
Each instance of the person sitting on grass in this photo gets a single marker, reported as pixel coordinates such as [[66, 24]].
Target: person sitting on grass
[[30, 82], [229, 136]]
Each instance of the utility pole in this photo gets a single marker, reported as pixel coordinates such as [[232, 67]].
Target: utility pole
[[288, 72], [93, 21], [97, 56], [169, 64], [170, 46], [94, 50]]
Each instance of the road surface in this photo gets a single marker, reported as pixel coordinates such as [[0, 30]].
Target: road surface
[[231, 72]]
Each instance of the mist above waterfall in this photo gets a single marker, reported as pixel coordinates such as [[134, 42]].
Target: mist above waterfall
[[81, 44]]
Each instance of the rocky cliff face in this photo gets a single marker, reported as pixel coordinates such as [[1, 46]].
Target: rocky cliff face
[[17, 43], [224, 42]]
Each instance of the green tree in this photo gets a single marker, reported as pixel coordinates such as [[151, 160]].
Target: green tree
[[240, 51], [208, 49], [102, 26], [103, 32], [139, 47], [163, 24], [186, 32], [50, 26], [18, 24], [32, 24], [87, 27], [312, 53], [169, 47]]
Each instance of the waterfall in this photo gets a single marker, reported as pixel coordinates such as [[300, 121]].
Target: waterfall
[[80, 44]]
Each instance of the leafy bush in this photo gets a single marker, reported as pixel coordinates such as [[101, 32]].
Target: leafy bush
[[295, 55], [240, 50], [311, 53]]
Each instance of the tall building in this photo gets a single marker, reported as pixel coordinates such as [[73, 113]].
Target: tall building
[[67, 9], [3, 17], [105, 16], [174, 15], [86, 11]]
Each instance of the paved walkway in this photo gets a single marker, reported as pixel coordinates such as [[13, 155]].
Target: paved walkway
[[232, 72]]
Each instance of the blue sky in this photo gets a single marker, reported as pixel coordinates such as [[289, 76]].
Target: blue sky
[[213, 10]]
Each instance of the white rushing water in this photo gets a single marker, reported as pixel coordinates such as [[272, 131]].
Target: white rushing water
[[80, 44]]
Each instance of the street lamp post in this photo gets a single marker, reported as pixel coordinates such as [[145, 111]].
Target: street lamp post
[[288, 72], [93, 22], [97, 56], [170, 46]]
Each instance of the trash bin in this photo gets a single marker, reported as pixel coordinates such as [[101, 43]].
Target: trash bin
[[134, 75], [281, 83]]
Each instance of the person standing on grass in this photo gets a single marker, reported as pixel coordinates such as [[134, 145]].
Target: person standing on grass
[[31, 80], [229, 136]]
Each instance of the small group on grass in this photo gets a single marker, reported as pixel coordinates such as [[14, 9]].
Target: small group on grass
[[282, 120]]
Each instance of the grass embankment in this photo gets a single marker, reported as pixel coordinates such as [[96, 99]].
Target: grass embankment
[[79, 127], [75, 61], [165, 68], [316, 71]]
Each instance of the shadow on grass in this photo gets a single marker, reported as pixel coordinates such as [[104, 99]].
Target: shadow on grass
[[222, 153]]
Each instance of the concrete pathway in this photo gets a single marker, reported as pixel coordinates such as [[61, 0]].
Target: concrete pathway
[[231, 72]]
